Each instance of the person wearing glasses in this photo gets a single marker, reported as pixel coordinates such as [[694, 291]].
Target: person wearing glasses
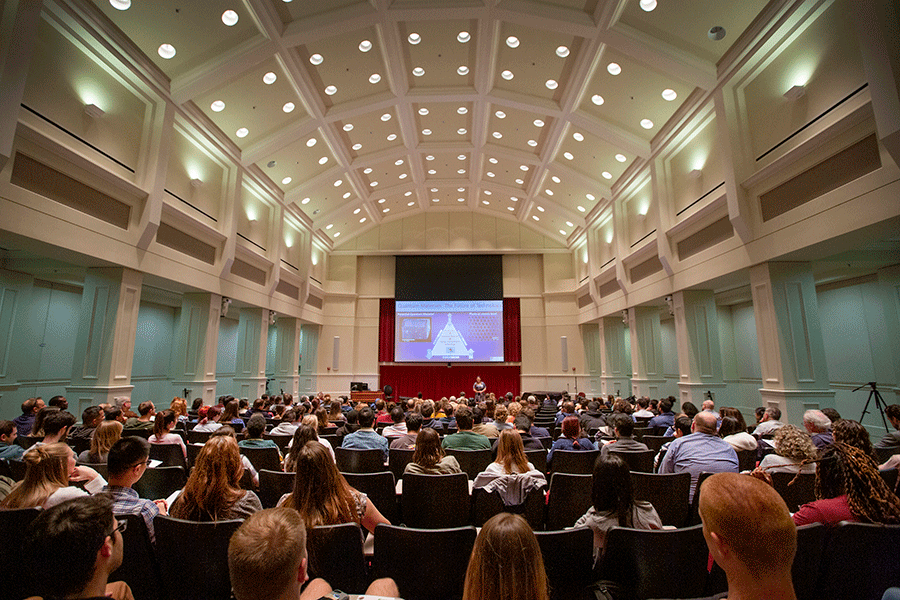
[[128, 460], [74, 547], [49, 469]]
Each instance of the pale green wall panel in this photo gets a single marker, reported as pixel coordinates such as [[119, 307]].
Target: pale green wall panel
[[226, 356]]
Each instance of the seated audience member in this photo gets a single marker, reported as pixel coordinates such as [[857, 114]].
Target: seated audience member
[[350, 425], [9, 450], [701, 451], [687, 409], [128, 459], [769, 423], [850, 432], [267, 560], [290, 421], [488, 430], [572, 438], [750, 535], [213, 491], [500, 415], [312, 421], [56, 427], [731, 431], [818, 425], [849, 488], [537, 432], [162, 431], [682, 427], [568, 410], [592, 418], [506, 562], [643, 409], [793, 448], [323, 497], [710, 406], [613, 503], [123, 403], [366, 438], [322, 419], [179, 407], [114, 414], [832, 414], [522, 426], [107, 434], [304, 433], [511, 475], [514, 408], [73, 548], [465, 438], [511, 457], [39, 428], [335, 414], [91, 417], [397, 427], [256, 426], [230, 414], [623, 428], [429, 457], [407, 441], [147, 411], [891, 439], [210, 422], [25, 421], [228, 431], [48, 471]]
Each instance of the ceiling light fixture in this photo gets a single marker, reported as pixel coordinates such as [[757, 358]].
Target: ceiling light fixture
[[507, 75], [532, 143], [386, 117], [669, 95], [461, 131], [510, 208], [646, 123], [551, 84], [538, 123], [462, 110], [363, 220], [367, 170], [621, 157], [196, 183], [269, 78], [695, 174], [795, 93], [120, 4], [338, 183], [580, 208], [426, 132], [418, 71], [348, 127], [512, 41], [497, 135], [493, 160], [398, 162], [374, 78], [365, 46], [500, 114], [613, 68], [357, 146], [337, 234], [597, 99], [288, 107], [414, 38], [392, 137], [562, 232], [568, 155], [577, 137], [716, 33], [410, 203], [242, 132], [331, 90], [286, 180], [311, 142], [461, 157], [316, 59], [535, 217], [463, 70], [556, 179], [356, 212], [562, 51], [540, 208], [648, 5], [570, 224], [305, 200], [323, 160], [229, 17], [463, 37], [590, 197], [217, 106], [166, 51], [606, 175]]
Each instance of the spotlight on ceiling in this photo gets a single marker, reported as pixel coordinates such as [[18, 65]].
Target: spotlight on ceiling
[[795, 93], [716, 33], [695, 174], [93, 111]]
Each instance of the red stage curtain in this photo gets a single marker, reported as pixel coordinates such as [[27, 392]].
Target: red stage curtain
[[512, 331], [436, 380], [386, 330]]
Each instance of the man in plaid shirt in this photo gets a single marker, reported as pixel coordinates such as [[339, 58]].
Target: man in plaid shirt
[[128, 459]]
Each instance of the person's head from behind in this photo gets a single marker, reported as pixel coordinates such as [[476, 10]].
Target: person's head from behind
[[816, 421], [727, 411], [320, 493], [624, 426], [366, 417], [37, 428], [428, 450], [665, 405], [113, 414], [68, 544], [129, 453], [522, 424], [729, 426], [773, 413], [57, 424], [47, 469], [267, 555], [571, 428], [214, 484], [91, 416], [689, 408], [164, 422], [705, 422], [612, 490], [500, 413], [256, 425], [179, 407], [511, 452], [794, 444], [850, 432], [682, 425], [397, 415], [506, 562], [834, 415], [303, 434], [747, 526], [413, 422], [146, 409], [464, 418], [105, 435], [845, 469]]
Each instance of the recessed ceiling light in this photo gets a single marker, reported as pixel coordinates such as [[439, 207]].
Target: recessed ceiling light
[[462, 110], [410, 203], [590, 197], [606, 175], [523, 167], [646, 123], [562, 51], [540, 208], [463, 70], [323, 160], [386, 210], [311, 142], [485, 202], [556, 179], [381, 201], [463, 37], [568, 155], [305, 200], [461, 131], [562, 232], [120, 4], [356, 212], [426, 132], [271, 164], [648, 5], [365, 46], [423, 111], [167, 51], [490, 173], [432, 172], [461, 171], [538, 123], [513, 198], [716, 33], [570, 224], [497, 135], [461, 157], [286, 181], [337, 234], [348, 127], [329, 226], [408, 194], [242, 132], [288, 107], [414, 38], [669, 95], [346, 195], [548, 191], [269, 78], [487, 192], [551, 84], [373, 184], [418, 71], [532, 143], [520, 181], [338, 183], [363, 220], [434, 190], [581, 209], [316, 59], [367, 170], [398, 162], [500, 114], [507, 75], [510, 208], [597, 99], [374, 78], [217, 106], [578, 137], [331, 90], [392, 137], [460, 189], [402, 176], [429, 157], [357, 146], [435, 199], [535, 217], [492, 160], [386, 117], [512, 41], [613, 68], [229, 17], [621, 157]]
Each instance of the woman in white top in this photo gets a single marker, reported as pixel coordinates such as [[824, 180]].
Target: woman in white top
[[510, 455], [731, 431], [792, 447], [162, 430], [210, 421], [313, 421], [511, 475], [48, 470]]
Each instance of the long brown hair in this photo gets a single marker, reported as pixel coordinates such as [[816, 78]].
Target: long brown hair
[[428, 450], [511, 452], [506, 562], [302, 434], [846, 469], [105, 435], [162, 421], [229, 413], [214, 485], [46, 470], [321, 494], [179, 407]]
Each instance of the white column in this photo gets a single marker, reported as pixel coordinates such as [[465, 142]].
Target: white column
[[196, 344], [791, 350], [614, 368], [697, 340], [646, 351], [287, 356], [104, 347], [250, 370]]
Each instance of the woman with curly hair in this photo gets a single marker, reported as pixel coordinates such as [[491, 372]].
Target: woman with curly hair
[[179, 407], [849, 488], [792, 448], [852, 433]]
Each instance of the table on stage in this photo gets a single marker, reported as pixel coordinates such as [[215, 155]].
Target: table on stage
[[367, 396]]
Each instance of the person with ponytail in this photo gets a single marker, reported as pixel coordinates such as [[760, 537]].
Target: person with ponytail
[[572, 438], [49, 469], [162, 430]]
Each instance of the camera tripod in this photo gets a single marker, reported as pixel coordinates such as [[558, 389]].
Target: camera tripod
[[879, 403]]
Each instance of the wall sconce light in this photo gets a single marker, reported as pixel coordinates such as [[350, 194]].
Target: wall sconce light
[[93, 111], [795, 93], [695, 174], [196, 183]]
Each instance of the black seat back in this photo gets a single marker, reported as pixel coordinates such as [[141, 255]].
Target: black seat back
[[797, 492], [262, 458], [13, 523], [487, 504], [398, 458], [860, 561], [381, 490], [637, 460], [170, 455], [140, 569], [568, 561], [472, 462], [273, 485], [667, 492], [568, 499], [435, 501], [574, 461], [352, 460], [161, 482], [335, 553]]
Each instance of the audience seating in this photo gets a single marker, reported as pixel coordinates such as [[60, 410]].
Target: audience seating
[[170, 455], [574, 461], [860, 561], [99, 467], [637, 460], [27, 441], [192, 451], [13, 523], [435, 501], [137, 432], [397, 461], [538, 458], [335, 553], [884, 454], [568, 561], [472, 462], [198, 437], [263, 458], [546, 441], [281, 440], [668, 563], [655, 442], [640, 432], [380, 488], [334, 440], [667, 492], [79, 444], [799, 492], [193, 557], [140, 569], [351, 460], [273, 485], [568, 499], [487, 504], [890, 478], [808, 560], [746, 460], [160, 483], [441, 557]]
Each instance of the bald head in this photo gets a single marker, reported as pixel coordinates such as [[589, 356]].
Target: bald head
[[705, 422], [708, 405]]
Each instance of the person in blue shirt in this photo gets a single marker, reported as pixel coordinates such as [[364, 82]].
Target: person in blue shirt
[[366, 438], [665, 418], [9, 450], [572, 438]]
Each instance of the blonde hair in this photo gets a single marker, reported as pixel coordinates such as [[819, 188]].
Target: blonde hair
[[792, 443], [179, 407], [105, 435], [46, 470], [514, 408], [511, 452], [500, 413], [265, 553]]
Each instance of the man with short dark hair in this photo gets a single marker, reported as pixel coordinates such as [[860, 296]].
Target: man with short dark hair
[[488, 430], [643, 408], [592, 418], [290, 421], [8, 449], [146, 410], [25, 421], [256, 426], [891, 439], [701, 451], [407, 441], [397, 426], [127, 462], [366, 438], [90, 418], [666, 417], [465, 438], [681, 427], [56, 427], [114, 414], [538, 432], [59, 402], [522, 426], [73, 547], [568, 410], [623, 429], [769, 423]]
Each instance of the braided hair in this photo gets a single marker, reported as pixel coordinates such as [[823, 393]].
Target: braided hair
[[845, 469]]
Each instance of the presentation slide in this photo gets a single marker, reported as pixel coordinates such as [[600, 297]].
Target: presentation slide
[[449, 331]]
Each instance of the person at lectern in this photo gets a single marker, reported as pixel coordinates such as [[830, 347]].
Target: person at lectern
[[479, 388]]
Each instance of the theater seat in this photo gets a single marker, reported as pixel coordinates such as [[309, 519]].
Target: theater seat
[[435, 501], [568, 561], [335, 553], [140, 569], [860, 561]]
